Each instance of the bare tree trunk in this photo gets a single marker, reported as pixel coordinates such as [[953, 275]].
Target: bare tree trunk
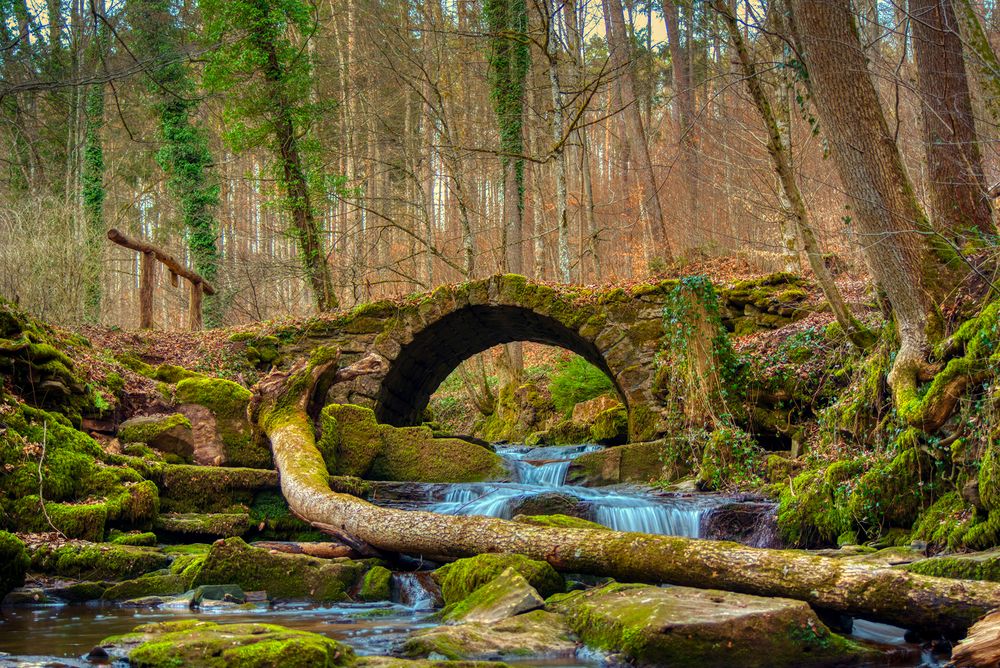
[[982, 58], [621, 61], [958, 191], [281, 409], [885, 212], [856, 332], [558, 140]]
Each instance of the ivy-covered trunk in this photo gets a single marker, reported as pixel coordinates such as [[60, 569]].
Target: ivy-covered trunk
[[184, 154], [92, 178]]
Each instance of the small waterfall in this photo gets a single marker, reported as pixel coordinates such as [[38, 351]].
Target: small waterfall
[[550, 474], [414, 590], [624, 513]]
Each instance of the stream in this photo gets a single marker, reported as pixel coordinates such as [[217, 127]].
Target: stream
[[70, 631]]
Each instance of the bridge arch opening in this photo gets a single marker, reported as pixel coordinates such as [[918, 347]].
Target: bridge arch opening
[[437, 350]]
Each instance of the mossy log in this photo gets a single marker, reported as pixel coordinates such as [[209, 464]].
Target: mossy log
[[281, 407]]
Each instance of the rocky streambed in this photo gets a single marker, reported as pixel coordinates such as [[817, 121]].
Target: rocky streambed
[[231, 603]]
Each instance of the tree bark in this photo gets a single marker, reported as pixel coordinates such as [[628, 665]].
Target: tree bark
[[958, 191], [855, 331], [284, 401], [558, 140], [307, 233], [621, 62], [907, 261]]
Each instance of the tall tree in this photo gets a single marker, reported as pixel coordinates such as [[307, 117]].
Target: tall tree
[[92, 176], [509, 62], [897, 238], [619, 55], [958, 191], [553, 50], [184, 154], [268, 78], [780, 156]]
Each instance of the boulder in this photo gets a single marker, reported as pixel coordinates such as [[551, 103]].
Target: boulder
[[216, 525], [377, 584], [550, 503], [538, 634], [970, 566], [559, 521], [504, 596], [210, 645], [464, 576], [587, 411], [225, 428], [281, 575], [170, 434], [97, 561], [149, 585], [681, 626], [636, 462]]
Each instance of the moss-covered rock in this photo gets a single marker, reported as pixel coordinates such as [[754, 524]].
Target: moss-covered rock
[[636, 462], [228, 403], [212, 489], [281, 575], [520, 410], [97, 561], [14, 562], [970, 566], [167, 433], [376, 585], [610, 427], [812, 510], [218, 525], [538, 634], [211, 645], [680, 626], [353, 443], [141, 538], [167, 584], [504, 596], [464, 576]]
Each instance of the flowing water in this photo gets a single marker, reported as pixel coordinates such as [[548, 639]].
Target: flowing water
[[70, 631], [541, 474]]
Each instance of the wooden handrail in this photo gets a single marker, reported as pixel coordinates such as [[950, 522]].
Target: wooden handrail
[[161, 255]]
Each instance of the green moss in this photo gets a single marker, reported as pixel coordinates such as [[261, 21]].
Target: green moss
[[228, 402], [173, 374], [376, 585], [558, 521], [283, 576], [222, 525], [460, 578], [211, 645], [148, 585], [610, 427], [975, 566], [146, 539], [731, 458], [146, 431], [102, 561], [14, 562], [213, 489], [945, 523], [812, 509], [354, 444]]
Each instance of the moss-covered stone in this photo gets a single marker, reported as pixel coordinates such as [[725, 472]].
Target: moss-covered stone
[[141, 538], [14, 562], [636, 462], [166, 433], [504, 596], [971, 566], [213, 489], [228, 403], [281, 575], [97, 561], [211, 645], [353, 443], [462, 577], [945, 523], [680, 626], [220, 525], [812, 510], [173, 374], [537, 634], [376, 585], [148, 585], [610, 427]]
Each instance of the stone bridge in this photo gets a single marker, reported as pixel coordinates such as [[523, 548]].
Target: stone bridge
[[419, 340]]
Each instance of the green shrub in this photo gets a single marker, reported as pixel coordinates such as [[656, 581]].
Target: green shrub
[[577, 380]]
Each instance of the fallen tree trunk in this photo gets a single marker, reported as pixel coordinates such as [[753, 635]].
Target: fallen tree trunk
[[281, 407]]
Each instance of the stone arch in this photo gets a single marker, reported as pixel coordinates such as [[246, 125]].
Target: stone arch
[[436, 350]]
